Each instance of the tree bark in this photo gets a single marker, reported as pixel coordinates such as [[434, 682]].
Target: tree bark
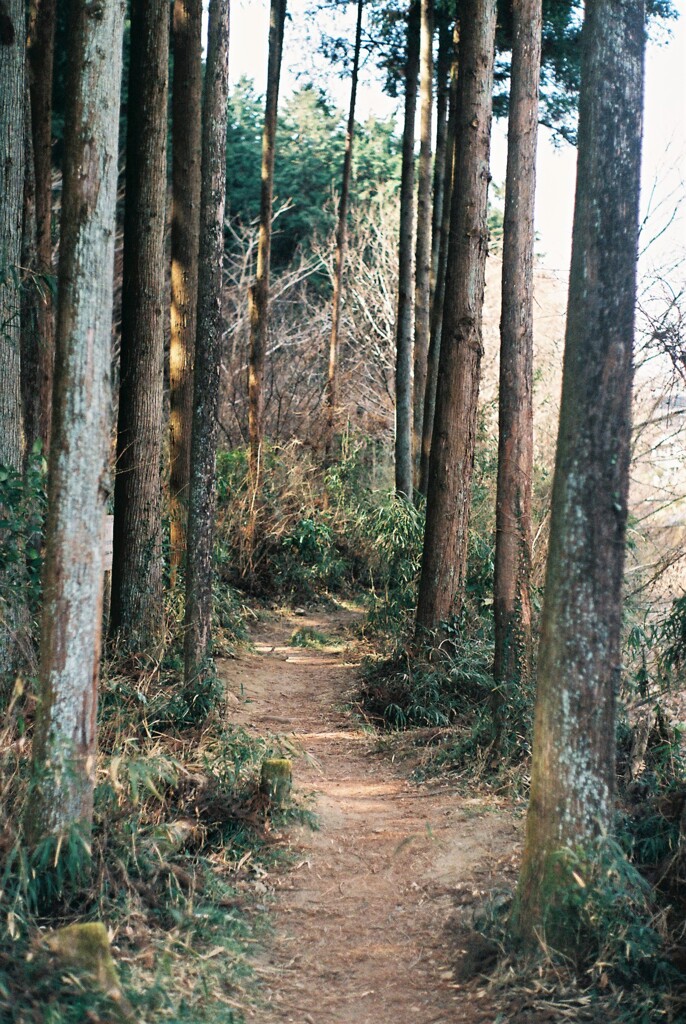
[[12, 76], [441, 255], [208, 347], [512, 584], [259, 292], [31, 301], [136, 610], [185, 233], [573, 769], [341, 235], [423, 252], [40, 52], [444, 559], [443, 81], [404, 326], [12, 158], [65, 740]]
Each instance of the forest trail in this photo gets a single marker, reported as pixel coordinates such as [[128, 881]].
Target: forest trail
[[362, 918]]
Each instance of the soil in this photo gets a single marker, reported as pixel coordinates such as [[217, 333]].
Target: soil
[[368, 918]]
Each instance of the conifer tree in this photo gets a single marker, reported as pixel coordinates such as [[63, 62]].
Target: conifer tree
[[512, 584], [64, 745], [341, 234], [573, 768], [185, 230], [422, 293], [208, 348], [12, 136], [136, 606], [259, 292], [444, 559], [404, 321], [40, 45], [12, 131]]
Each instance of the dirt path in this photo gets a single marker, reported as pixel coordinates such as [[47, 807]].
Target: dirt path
[[362, 933]]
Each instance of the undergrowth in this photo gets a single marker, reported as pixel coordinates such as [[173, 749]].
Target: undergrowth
[[307, 533], [622, 961], [181, 840]]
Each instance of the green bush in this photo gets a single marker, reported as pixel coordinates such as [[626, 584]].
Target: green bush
[[306, 533], [22, 514]]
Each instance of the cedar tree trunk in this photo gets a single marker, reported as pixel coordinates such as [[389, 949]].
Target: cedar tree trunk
[[136, 610], [208, 346], [259, 291], [185, 231], [443, 80], [12, 128], [512, 584], [341, 235], [573, 771], [441, 238], [65, 741], [444, 559], [40, 47], [404, 332], [12, 157], [422, 294], [31, 302]]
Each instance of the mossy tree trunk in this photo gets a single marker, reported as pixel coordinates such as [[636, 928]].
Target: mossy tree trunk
[[512, 584], [259, 291], [185, 231], [208, 347], [65, 741], [404, 321], [444, 559], [136, 610], [423, 251], [341, 236], [579, 659]]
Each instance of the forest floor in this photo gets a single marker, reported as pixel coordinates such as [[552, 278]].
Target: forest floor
[[370, 914]]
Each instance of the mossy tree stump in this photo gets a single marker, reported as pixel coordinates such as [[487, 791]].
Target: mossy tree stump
[[276, 780]]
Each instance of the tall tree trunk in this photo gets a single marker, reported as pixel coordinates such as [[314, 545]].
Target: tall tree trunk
[[208, 346], [40, 51], [444, 559], [64, 740], [136, 611], [573, 770], [438, 284], [341, 235], [12, 129], [443, 81], [185, 231], [259, 291], [12, 133], [422, 294], [404, 325], [31, 301], [512, 585]]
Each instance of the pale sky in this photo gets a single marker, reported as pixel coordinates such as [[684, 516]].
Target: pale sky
[[664, 150]]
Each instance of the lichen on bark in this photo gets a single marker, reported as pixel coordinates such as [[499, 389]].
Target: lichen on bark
[[579, 656], [65, 731]]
